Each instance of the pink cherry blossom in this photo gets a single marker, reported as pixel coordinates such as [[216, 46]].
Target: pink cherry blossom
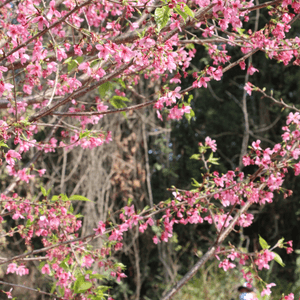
[[100, 229], [53, 11], [45, 269], [248, 88], [289, 297], [87, 261], [41, 22], [104, 51], [156, 240], [203, 82], [251, 70], [267, 290], [226, 265], [211, 143], [129, 210], [12, 268], [22, 271], [10, 155]]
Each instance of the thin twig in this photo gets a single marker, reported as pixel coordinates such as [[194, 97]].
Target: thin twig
[[281, 103], [27, 288], [263, 5], [269, 126]]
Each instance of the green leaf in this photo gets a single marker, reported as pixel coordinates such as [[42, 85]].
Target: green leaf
[[71, 209], [29, 223], [146, 207], [156, 229], [68, 60], [104, 88], [98, 297], [120, 98], [195, 156], [185, 13], [180, 12], [280, 243], [162, 16], [64, 197], [118, 101], [120, 265], [213, 160], [191, 97], [53, 288], [48, 192], [24, 122], [79, 198], [98, 276], [81, 285], [85, 31], [2, 144], [61, 290], [278, 259], [79, 59], [157, 166], [122, 83], [240, 30], [84, 134], [54, 198], [94, 63], [72, 65], [44, 192], [41, 265], [195, 183], [188, 11], [263, 243], [189, 115], [141, 34], [102, 288], [202, 149], [64, 263]]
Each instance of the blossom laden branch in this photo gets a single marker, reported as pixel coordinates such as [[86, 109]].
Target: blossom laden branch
[[41, 33]]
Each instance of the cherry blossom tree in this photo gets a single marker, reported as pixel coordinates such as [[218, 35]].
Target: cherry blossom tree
[[67, 65]]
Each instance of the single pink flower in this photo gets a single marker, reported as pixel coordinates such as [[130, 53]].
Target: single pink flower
[[10, 155], [251, 70], [45, 269]]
